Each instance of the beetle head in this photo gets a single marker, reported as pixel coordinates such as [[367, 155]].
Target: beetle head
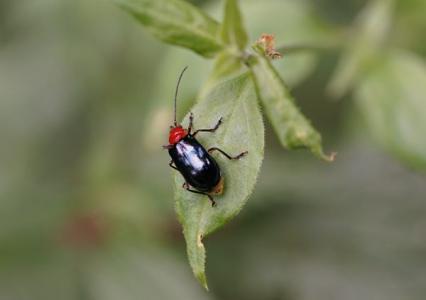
[[176, 134]]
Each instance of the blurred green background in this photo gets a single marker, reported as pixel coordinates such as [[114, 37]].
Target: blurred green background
[[86, 203]]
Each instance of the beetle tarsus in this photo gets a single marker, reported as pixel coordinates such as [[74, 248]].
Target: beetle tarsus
[[191, 121], [172, 166], [185, 185], [209, 129], [227, 155], [211, 200]]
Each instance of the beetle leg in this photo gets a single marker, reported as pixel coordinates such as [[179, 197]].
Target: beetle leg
[[191, 120], [172, 166], [211, 129], [226, 154], [167, 146], [186, 187]]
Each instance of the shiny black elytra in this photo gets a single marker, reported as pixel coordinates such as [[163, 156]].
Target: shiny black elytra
[[199, 169]]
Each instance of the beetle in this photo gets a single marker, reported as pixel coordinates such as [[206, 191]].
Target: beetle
[[199, 169]]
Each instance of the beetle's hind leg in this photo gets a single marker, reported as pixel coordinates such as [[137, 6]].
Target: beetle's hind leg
[[227, 155], [209, 129], [186, 187]]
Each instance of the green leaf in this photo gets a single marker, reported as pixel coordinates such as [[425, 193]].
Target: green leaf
[[242, 130], [225, 67], [290, 125], [367, 38], [233, 32], [391, 97], [177, 22]]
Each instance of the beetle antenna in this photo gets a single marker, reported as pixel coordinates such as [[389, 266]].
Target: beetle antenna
[[177, 89]]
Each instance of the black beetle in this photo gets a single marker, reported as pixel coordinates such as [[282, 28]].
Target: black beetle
[[191, 159]]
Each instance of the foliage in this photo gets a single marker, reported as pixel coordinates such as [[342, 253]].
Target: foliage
[[397, 114]]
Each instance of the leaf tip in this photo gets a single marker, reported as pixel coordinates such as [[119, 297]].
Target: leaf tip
[[317, 151], [203, 280]]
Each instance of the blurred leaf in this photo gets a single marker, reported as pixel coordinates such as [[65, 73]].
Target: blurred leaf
[[368, 35], [177, 22], [235, 101], [410, 24], [233, 32], [392, 98], [290, 125]]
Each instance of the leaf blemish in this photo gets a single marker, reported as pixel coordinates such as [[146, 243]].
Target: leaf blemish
[[199, 243]]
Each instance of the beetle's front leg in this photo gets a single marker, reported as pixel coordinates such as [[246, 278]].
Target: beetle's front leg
[[167, 147], [191, 120], [210, 129]]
